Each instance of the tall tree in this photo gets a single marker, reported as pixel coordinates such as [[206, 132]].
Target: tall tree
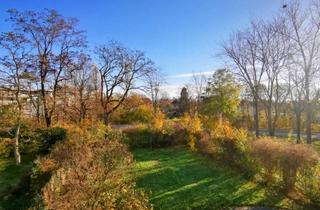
[[14, 67], [242, 49], [221, 95], [55, 41], [274, 52], [184, 101], [120, 70], [296, 91], [199, 82], [303, 30], [153, 81], [82, 84]]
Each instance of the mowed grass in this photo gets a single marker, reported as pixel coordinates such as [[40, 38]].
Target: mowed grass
[[180, 179]]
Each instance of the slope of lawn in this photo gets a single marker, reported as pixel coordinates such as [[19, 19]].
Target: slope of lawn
[[180, 179]]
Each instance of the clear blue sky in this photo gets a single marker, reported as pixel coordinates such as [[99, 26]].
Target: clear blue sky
[[181, 36]]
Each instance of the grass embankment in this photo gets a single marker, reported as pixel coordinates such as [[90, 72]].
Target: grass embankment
[[180, 179]]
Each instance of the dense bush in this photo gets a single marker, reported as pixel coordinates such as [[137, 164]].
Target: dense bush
[[38, 141], [228, 144], [289, 160], [147, 138], [192, 126], [138, 115], [138, 138], [89, 171], [168, 134], [5, 134], [44, 138]]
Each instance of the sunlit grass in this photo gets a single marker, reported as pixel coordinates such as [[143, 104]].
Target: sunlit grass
[[179, 179]]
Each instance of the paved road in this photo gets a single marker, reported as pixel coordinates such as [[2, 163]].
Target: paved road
[[284, 133], [279, 133], [123, 127]]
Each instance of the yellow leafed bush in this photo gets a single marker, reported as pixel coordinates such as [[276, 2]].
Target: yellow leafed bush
[[89, 171], [192, 125], [158, 121]]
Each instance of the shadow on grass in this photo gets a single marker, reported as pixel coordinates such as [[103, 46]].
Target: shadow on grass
[[179, 179], [17, 190], [10, 173]]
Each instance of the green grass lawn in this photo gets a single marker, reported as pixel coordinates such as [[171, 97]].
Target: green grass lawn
[[10, 173], [10, 176], [180, 179]]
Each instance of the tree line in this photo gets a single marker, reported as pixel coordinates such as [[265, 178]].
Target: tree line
[[278, 62], [48, 56]]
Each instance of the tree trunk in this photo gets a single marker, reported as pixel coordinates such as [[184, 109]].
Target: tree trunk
[[38, 110], [220, 119], [45, 106], [17, 155], [256, 116], [308, 109], [106, 118], [82, 111], [270, 124], [308, 124], [298, 127]]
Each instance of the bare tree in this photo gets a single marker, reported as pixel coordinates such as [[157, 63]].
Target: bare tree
[[83, 86], [274, 52], [153, 81], [303, 30], [296, 90], [14, 66], [55, 42], [199, 82], [120, 71], [242, 49]]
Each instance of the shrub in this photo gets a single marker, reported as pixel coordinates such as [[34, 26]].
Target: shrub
[[6, 147], [283, 158], [309, 183], [157, 121], [171, 133], [138, 138], [142, 115], [44, 138], [5, 134], [192, 125], [89, 171], [227, 144]]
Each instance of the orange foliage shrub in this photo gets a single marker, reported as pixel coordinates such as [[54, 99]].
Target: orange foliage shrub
[[157, 121], [192, 125], [225, 143], [89, 171], [287, 159]]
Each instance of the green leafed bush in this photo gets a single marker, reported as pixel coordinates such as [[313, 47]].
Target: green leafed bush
[[44, 138]]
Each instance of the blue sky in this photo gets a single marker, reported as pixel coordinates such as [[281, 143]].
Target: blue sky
[[181, 36]]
